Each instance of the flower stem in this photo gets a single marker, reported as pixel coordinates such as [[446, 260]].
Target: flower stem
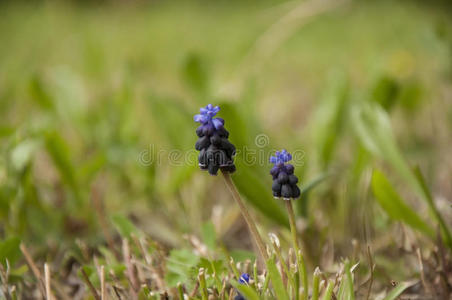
[[246, 215], [300, 259]]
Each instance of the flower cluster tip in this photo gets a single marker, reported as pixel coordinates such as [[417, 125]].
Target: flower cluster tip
[[216, 152]]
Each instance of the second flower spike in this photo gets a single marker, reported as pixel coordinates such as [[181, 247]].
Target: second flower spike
[[284, 181], [216, 152]]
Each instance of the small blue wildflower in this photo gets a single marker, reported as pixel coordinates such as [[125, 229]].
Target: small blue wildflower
[[244, 278], [284, 181], [216, 152]]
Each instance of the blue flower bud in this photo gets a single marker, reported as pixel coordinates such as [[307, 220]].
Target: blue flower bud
[[244, 278]]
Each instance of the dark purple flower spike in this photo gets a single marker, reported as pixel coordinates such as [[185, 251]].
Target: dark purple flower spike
[[284, 181], [216, 152]]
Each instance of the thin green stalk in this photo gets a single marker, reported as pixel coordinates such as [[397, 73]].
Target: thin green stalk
[[297, 282], [315, 284], [329, 291], [296, 276], [266, 283], [277, 248], [234, 268], [255, 276], [300, 259], [246, 215], [216, 278], [180, 289], [431, 203], [202, 284], [349, 275]]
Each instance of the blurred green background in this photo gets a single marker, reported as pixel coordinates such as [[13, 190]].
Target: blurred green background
[[97, 103]]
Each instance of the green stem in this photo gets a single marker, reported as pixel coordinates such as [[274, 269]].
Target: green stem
[[329, 291], [180, 290], [234, 268], [284, 266], [300, 259], [255, 276], [246, 215], [202, 284], [315, 284]]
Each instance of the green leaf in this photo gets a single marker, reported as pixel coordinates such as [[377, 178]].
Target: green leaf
[[276, 279], [59, 151], [373, 128], [208, 235], [431, 203], [242, 255], [17, 274], [399, 289], [247, 291], [180, 265], [211, 267], [124, 226], [346, 289], [394, 205], [9, 250]]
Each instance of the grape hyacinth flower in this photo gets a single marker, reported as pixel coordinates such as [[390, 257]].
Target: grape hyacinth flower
[[284, 180], [216, 152], [244, 279], [285, 186]]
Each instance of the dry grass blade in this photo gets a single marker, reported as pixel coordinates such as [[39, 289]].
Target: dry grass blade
[[372, 268], [47, 282], [195, 290], [4, 276], [131, 276], [34, 269], [421, 269], [103, 290], [89, 284], [100, 210]]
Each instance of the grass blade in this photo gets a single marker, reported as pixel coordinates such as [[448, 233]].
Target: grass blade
[[394, 205], [247, 291], [398, 290], [428, 196], [276, 279], [329, 291]]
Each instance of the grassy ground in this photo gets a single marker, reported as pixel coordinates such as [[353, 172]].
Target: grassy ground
[[98, 167]]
